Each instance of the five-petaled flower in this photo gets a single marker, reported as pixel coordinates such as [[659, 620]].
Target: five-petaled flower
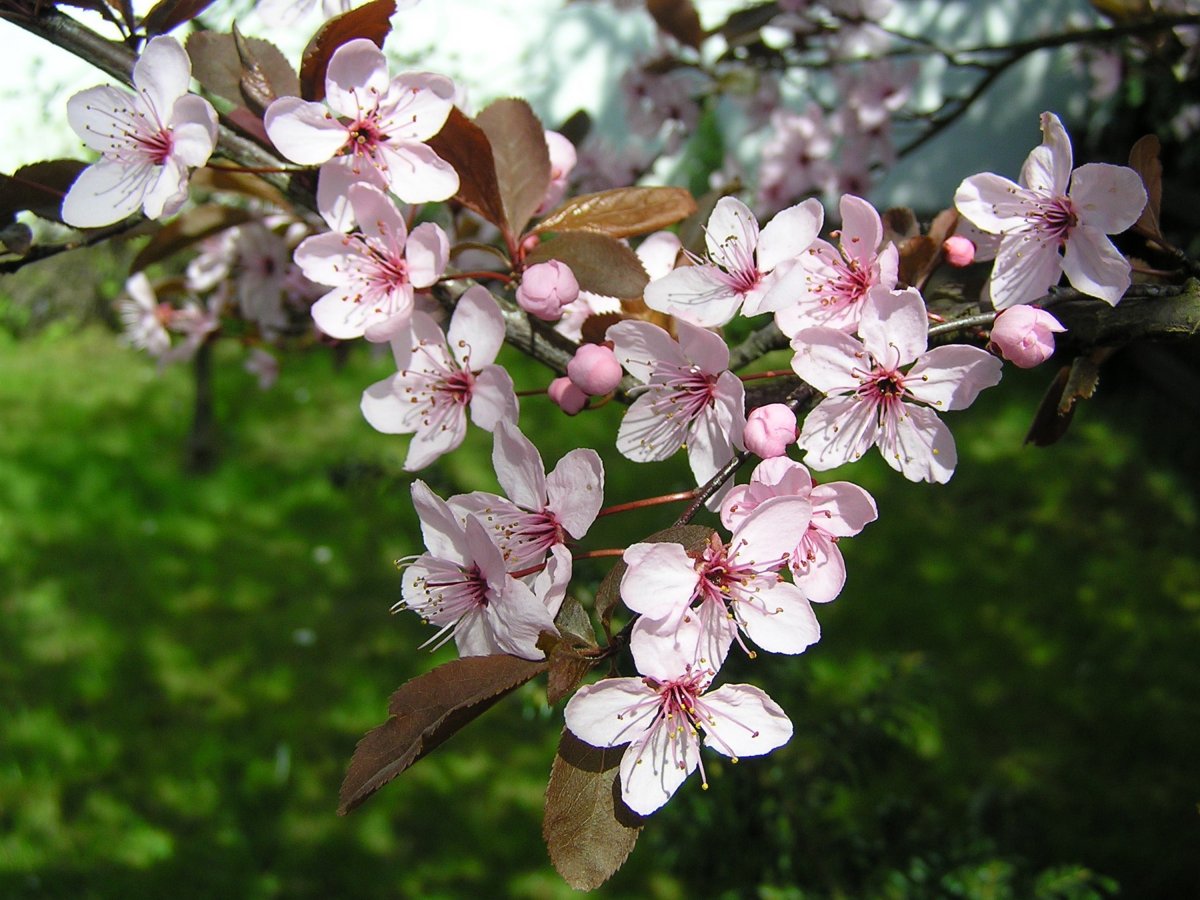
[[376, 131], [871, 400], [743, 263], [147, 140], [1055, 221], [541, 510], [689, 396], [373, 270], [728, 589], [462, 585], [441, 376], [662, 715], [829, 285]]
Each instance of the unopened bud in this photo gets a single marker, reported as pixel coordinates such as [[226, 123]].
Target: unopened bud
[[594, 370], [958, 251], [1024, 335], [769, 430], [546, 288], [569, 398]]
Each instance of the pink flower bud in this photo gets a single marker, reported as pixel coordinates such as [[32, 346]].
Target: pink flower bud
[[594, 369], [769, 430], [1024, 335], [569, 398], [546, 288], [958, 250]]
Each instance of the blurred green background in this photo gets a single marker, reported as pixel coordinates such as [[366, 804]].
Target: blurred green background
[[1005, 702]]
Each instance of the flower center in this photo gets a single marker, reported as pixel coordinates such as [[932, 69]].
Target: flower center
[[1055, 218]]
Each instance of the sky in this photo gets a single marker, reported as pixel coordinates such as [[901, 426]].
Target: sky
[[563, 55]]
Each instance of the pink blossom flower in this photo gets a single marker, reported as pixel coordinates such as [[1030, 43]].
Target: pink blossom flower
[[441, 376], [870, 399], [374, 129], [1025, 335], [562, 162], [795, 157], [740, 263], [769, 430], [147, 140], [373, 270], [839, 509], [546, 288], [1055, 221], [662, 715], [144, 318], [541, 510], [689, 396], [263, 366], [462, 585], [726, 588], [829, 285]]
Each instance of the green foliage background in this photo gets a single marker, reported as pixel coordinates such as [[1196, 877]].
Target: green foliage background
[[1005, 702]]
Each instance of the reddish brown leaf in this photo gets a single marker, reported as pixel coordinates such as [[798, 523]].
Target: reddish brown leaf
[[188, 229], [1048, 425], [1073, 383], [572, 653], [1143, 159], [166, 14], [427, 711], [601, 264], [266, 74], [573, 622], [38, 187], [464, 145], [371, 20], [744, 24], [567, 668], [520, 157], [220, 62], [899, 224], [608, 595], [943, 225], [623, 212], [589, 831], [679, 19], [917, 255]]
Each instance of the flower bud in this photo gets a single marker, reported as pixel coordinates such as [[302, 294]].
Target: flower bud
[[1024, 335], [546, 288], [569, 398], [769, 430], [958, 251], [594, 370]]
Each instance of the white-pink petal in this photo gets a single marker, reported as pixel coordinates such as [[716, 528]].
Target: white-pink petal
[[744, 721], [659, 581], [575, 490], [923, 449], [951, 377], [303, 131], [519, 467], [789, 233], [476, 330], [1108, 198], [894, 326]]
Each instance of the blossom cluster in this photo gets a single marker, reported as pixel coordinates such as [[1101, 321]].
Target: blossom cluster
[[497, 568]]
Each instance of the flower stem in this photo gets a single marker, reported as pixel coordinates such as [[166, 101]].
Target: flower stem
[[649, 501]]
